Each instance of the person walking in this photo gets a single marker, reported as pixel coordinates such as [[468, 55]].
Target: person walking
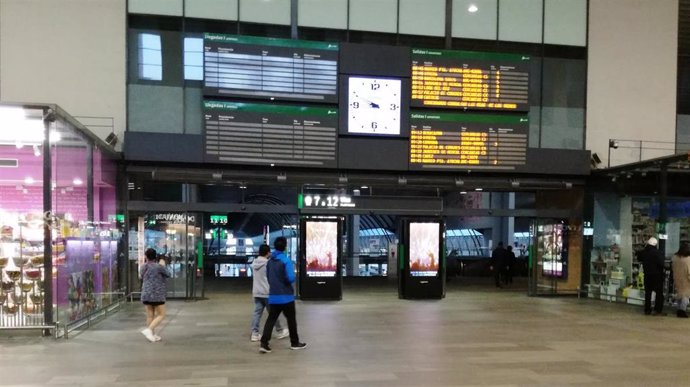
[[153, 289], [260, 293], [653, 265], [508, 275], [681, 277], [499, 259], [281, 298]]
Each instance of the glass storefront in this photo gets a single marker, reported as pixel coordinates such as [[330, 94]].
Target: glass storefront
[[621, 228], [58, 253]]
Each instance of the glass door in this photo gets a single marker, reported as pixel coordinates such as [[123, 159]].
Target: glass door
[[174, 236]]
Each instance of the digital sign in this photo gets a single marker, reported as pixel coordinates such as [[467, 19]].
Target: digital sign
[[552, 240], [467, 141], [325, 201], [321, 248], [470, 80], [424, 249], [263, 134], [268, 68], [219, 219]]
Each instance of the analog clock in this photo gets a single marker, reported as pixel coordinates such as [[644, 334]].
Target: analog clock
[[373, 106]]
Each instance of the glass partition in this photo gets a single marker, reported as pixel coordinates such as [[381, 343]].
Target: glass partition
[[21, 217], [74, 276]]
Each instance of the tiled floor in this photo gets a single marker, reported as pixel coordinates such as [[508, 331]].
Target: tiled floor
[[476, 336]]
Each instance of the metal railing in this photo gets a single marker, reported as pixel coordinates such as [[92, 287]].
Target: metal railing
[[629, 151]]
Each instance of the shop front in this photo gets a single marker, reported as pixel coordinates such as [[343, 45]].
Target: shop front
[[60, 241]]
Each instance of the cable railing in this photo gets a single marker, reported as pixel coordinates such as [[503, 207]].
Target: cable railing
[[623, 151]]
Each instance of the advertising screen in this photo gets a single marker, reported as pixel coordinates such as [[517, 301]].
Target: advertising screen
[[322, 249], [424, 249], [553, 245]]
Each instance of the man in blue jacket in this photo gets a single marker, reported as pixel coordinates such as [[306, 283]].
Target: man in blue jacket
[[281, 296]]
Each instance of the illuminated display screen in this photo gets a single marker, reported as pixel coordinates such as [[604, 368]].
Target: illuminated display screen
[[321, 249], [268, 68], [470, 80], [553, 249], [424, 249], [325, 201], [263, 134], [467, 141]]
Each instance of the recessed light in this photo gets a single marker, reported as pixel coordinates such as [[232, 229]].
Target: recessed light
[[463, 192], [479, 189], [472, 8], [365, 187]]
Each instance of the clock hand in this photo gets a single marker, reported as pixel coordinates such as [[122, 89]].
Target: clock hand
[[373, 105]]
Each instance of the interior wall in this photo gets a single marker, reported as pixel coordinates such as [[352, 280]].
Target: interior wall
[[631, 85], [69, 52]]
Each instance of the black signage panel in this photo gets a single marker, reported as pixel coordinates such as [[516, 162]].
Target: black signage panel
[[470, 80], [442, 141], [271, 69], [241, 133]]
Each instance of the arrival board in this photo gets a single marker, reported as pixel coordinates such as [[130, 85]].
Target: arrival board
[[241, 133], [467, 141], [267, 68], [470, 80]]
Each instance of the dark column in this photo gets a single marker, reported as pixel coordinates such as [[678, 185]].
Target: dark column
[[89, 181], [663, 213], [449, 24], [48, 119]]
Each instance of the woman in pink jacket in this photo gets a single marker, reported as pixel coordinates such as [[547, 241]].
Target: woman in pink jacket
[[681, 278]]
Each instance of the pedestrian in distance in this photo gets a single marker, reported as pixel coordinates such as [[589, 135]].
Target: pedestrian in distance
[[653, 266], [499, 259], [281, 298], [509, 265], [154, 276], [681, 278], [260, 290]]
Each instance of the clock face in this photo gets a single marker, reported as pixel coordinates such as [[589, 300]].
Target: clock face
[[373, 106]]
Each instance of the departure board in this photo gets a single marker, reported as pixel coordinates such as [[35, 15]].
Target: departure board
[[467, 141], [470, 80], [273, 69], [242, 133]]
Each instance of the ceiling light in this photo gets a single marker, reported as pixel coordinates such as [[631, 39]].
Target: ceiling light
[[459, 182], [243, 186], [29, 180], [472, 8], [402, 180], [479, 189], [342, 179], [463, 192], [364, 187], [77, 181]]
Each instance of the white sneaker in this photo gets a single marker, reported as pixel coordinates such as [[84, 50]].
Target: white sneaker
[[148, 334], [283, 334], [255, 337], [158, 338]]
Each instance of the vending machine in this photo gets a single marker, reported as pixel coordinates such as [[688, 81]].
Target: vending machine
[[320, 258], [422, 259]]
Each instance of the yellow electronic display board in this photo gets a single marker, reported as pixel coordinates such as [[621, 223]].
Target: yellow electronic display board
[[470, 80], [468, 141]]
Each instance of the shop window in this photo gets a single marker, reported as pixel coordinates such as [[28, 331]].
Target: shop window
[[150, 57], [193, 59]]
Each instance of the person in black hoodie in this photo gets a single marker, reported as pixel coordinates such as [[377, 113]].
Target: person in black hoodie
[[653, 265], [499, 260]]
